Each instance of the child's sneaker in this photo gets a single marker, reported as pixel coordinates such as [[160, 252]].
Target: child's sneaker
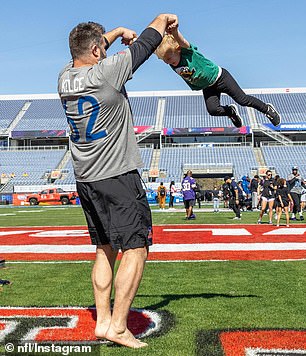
[[273, 115], [235, 117]]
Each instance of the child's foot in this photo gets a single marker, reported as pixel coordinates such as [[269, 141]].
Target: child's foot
[[235, 117], [273, 115]]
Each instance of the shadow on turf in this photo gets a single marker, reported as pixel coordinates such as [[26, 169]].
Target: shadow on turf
[[167, 298]]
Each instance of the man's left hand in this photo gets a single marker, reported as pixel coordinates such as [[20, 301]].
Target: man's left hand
[[128, 36]]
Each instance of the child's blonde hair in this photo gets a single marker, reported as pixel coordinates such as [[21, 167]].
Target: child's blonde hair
[[168, 43]]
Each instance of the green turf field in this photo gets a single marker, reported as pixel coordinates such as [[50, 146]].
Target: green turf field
[[56, 216], [200, 296]]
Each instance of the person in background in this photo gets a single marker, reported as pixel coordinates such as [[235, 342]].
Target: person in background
[[303, 198], [188, 187], [254, 188], [233, 196], [246, 186], [198, 194], [216, 194], [172, 190], [268, 188], [162, 193], [242, 196], [282, 200], [296, 185], [226, 195]]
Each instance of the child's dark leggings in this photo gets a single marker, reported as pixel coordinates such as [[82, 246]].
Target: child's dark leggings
[[228, 85]]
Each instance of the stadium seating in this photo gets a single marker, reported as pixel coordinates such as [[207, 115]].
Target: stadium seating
[[144, 110], [190, 111], [28, 166], [9, 109], [68, 174], [284, 157], [185, 110], [292, 106], [172, 159], [43, 114]]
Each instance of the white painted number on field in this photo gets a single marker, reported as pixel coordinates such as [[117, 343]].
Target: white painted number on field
[[215, 232], [18, 232], [287, 231], [61, 233]]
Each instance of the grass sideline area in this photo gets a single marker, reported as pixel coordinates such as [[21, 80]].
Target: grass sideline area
[[200, 296], [73, 215]]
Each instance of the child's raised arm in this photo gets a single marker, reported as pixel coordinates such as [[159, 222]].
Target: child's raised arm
[[178, 36]]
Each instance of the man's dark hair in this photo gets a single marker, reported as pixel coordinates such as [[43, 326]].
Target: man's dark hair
[[83, 37]]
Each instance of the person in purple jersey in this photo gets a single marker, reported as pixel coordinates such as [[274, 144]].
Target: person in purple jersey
[[188, 186]]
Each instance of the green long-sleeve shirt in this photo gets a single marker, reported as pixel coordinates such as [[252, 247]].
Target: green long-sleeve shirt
[[197, 71]]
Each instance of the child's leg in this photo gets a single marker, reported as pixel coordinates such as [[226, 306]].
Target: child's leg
[[212, 101], [227, 84], [287, 215], [263, 208], [271, 203], [279, 213], [213, 105]]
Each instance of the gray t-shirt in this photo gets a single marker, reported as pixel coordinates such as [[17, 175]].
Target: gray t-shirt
[[103, 142], [296, 187]]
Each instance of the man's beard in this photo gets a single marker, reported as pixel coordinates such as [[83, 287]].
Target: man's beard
[[102, 55]]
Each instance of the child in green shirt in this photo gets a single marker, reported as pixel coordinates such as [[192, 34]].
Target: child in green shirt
[[202, 74]]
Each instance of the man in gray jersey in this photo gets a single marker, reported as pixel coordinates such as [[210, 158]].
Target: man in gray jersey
[[296, 185], [105, 158]]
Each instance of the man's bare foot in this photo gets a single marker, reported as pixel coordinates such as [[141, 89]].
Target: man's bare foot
[[125, 338], [101, 329]]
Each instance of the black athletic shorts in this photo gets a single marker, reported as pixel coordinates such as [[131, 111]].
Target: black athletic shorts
[[117, 211], [279, 205]]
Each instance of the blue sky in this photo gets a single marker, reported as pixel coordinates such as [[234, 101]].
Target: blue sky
[[261, 42]]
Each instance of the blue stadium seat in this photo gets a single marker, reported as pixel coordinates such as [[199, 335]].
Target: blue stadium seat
[[172, 159], [9, 109], [284, 157], [43, 114]]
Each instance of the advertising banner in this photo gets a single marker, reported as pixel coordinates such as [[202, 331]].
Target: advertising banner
[[39, 133], [286, 126], [244, 130]]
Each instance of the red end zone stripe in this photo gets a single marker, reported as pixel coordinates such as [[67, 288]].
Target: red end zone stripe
[[168, 234], [50, 235], [180, 234], [235, 343], [177, 234]]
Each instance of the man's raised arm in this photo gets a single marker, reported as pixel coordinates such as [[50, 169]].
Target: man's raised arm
[[163, 21], [126, 35], [150, 38]]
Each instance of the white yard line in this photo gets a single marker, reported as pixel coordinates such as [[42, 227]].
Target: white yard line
[[279, 246]]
